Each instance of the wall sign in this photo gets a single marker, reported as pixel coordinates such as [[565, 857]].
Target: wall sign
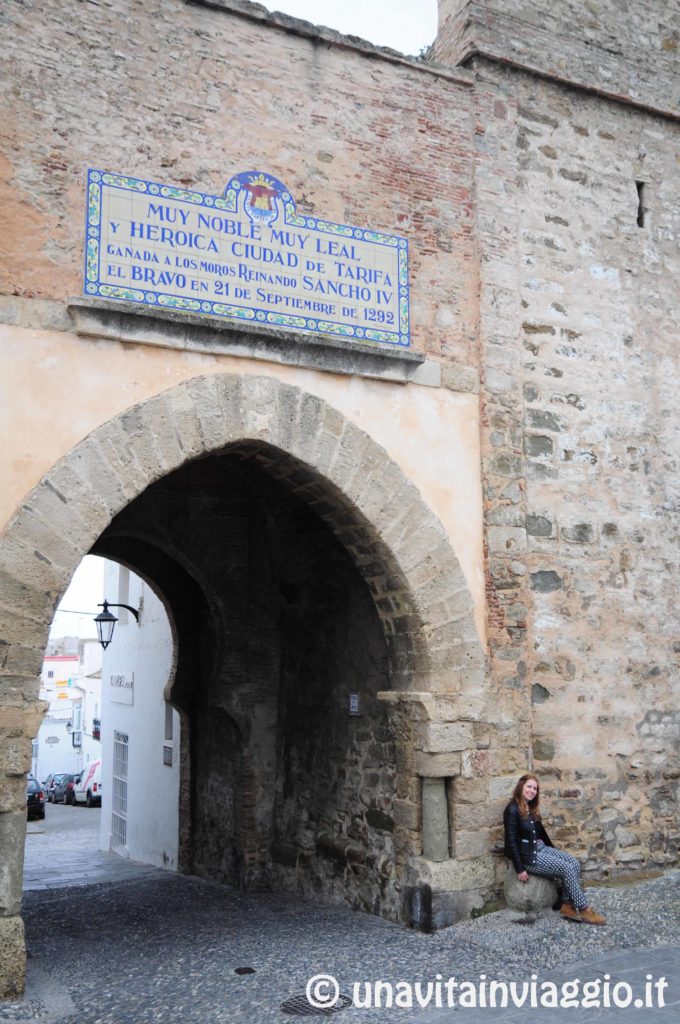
[[123, 689], [246, 255]]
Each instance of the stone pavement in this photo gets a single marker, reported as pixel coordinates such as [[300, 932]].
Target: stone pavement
[[628, 969], [154, 946], [62, 851]]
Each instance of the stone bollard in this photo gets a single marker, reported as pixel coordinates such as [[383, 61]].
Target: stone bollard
[[528, 900]]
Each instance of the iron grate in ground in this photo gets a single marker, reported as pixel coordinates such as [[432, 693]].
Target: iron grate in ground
[[300, 1006]]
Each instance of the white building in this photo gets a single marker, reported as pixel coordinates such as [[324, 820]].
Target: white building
[[69, 736], [140, 730]]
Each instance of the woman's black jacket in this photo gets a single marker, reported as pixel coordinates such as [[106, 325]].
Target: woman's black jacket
[[521, 837]]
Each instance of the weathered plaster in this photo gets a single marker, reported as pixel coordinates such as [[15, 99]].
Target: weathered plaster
[[432, 434]]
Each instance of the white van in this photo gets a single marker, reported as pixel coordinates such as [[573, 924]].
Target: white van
[[88, 789]]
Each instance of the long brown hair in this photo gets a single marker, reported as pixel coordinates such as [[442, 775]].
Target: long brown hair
[[533, 806]]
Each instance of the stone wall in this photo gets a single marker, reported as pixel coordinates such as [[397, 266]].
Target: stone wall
[[578, 223], [598, 275], [625, 51]]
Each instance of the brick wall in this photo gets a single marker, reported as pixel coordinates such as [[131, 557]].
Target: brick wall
[[188, 95]]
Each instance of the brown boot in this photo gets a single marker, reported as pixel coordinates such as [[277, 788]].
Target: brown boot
[[566, 910], [591, 917]]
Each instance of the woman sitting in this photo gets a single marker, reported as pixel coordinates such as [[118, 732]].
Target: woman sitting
[[528, 846]]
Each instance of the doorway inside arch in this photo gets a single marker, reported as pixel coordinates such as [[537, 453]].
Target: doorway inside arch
[[284, 761]]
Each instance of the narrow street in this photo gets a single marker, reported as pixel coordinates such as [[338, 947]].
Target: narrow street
[[63, 850]]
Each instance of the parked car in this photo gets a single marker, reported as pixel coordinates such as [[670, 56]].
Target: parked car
[[35, 799], [61, 790], [70, 786], [49, 784], [88, 789]]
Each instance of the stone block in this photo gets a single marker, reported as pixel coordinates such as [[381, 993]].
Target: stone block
[[259, 407], [15, 757], [121, 457], [502, 787], [544, 749], [437, 765], [404, 813], [373, 464], [429, 911], [158, 428], [445, 737], [186, 421], [229, 395], [64, 516], [537, 445], [81, 499], [453, 876], [538, 526], [473, 815], [533, 898], [458, 708], [40, 535], [470, 790], [435, 820], [472, 843], [12, 794], [12, 957], [545, 581], [288, 406], [20, 660], [543, 420], [580, 533], [204, 395], [12, 839], [310, 417], [15, 626], [460, 378], [474, 764]]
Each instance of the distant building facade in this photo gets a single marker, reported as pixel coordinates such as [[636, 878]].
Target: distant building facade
[[140, 729], [391, 571], [69, 736]]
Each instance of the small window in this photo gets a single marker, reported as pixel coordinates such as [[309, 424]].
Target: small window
[[641, 210], [50, 674]]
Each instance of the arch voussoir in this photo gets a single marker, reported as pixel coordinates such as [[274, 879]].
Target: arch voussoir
[[158, 424], [118, 449], [348, 456], [308, 425], [259, 397], [182, 410], [288, 409], [89, 463], [206, 398]]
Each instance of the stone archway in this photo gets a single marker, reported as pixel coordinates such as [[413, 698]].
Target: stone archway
[[398, 546]]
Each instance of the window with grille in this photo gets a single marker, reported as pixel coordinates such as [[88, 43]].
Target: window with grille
[[119, 792]]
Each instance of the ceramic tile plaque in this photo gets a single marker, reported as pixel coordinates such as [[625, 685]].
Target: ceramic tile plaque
[[246, 255]]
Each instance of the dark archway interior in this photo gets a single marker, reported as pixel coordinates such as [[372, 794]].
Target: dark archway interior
[[275, 628]]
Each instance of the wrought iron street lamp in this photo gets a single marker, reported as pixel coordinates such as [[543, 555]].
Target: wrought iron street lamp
[[106, 622]]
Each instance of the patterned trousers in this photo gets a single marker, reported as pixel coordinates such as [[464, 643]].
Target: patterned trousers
[[552, 863]]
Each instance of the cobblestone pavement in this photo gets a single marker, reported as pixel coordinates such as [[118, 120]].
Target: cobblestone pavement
[[155, 946]]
